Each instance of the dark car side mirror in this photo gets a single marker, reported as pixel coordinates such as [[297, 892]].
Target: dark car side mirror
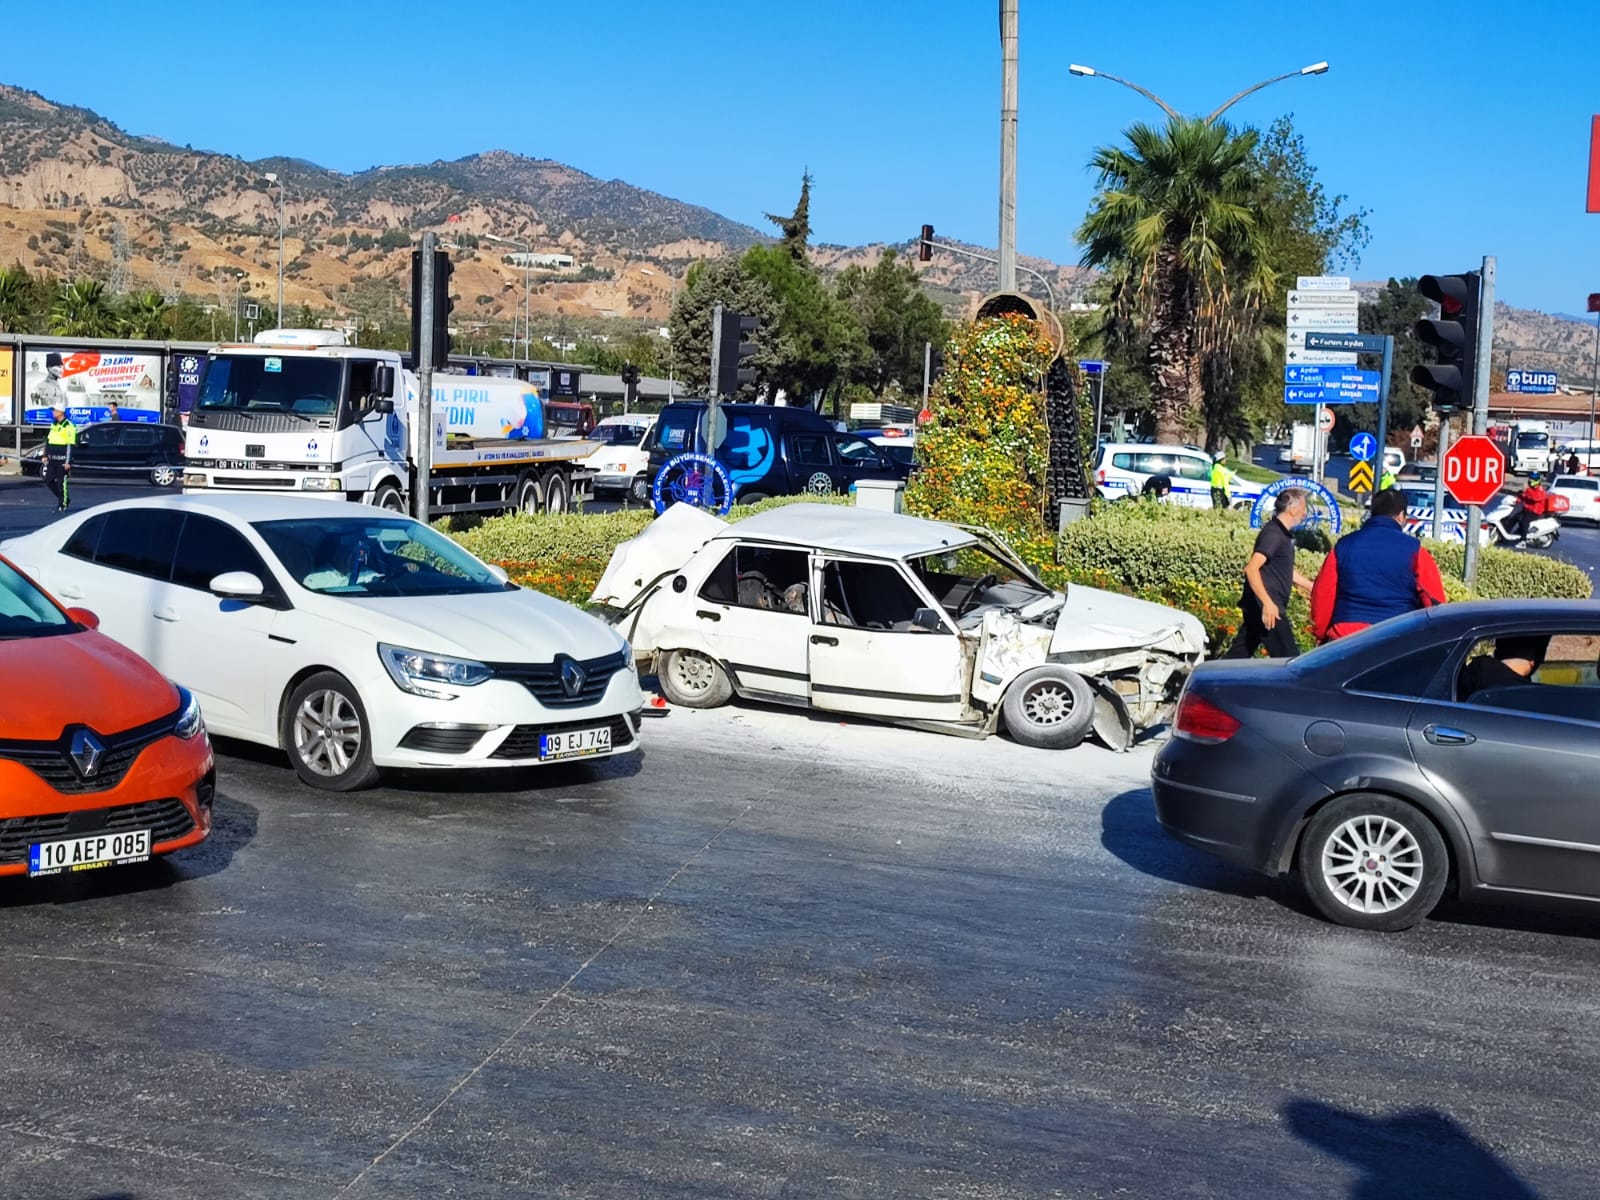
[[928, 619], [383, 404]]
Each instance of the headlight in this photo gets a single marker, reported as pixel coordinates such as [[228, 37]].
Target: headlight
[[315, 483], [412, 670], [190, 723]]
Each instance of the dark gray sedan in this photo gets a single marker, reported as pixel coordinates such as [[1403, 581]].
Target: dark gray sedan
[[1454, 747]]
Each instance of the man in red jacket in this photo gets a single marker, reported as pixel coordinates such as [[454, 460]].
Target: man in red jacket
[[1379, 571]]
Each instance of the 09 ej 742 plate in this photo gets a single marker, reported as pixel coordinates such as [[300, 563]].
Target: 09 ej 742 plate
[[87, 853], [574, 743]]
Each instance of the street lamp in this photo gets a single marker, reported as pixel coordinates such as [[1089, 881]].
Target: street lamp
[[273, 178], [1319, 68], [527, 295]]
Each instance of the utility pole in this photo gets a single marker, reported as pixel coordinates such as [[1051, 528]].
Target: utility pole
[[1594, 386], [927, 373], [1008, 145], [422, 431], [1480, 406]]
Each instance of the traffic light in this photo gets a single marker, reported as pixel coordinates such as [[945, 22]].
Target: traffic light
[[442, 304], [737, 345], [925, 245], [1453, 334], [630, 374]]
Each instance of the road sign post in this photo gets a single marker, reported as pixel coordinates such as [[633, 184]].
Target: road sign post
[[1480, 411]]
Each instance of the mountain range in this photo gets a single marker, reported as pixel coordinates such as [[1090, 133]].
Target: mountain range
[[78, 195]]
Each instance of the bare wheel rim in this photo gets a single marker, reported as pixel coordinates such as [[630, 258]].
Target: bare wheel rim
[[693, 673], [1047, 704], [327, 733], [1372, 864]]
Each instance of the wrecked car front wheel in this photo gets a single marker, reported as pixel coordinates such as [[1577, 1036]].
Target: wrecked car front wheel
[[693, 680], [1049, 707]]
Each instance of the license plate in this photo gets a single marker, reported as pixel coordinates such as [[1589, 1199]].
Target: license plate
[[87, 853], [232, 464], [574, 743]]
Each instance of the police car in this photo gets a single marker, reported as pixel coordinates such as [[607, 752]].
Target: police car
[[1121, 469]]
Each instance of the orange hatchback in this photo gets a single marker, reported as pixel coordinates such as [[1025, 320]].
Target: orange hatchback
[[103, 761]]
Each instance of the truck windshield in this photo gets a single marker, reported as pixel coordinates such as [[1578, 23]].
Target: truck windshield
[[252, 383], [375, 556], [1532, 441]]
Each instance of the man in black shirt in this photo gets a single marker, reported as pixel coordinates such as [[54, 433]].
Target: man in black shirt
[[1269, 577], [1514, 662]]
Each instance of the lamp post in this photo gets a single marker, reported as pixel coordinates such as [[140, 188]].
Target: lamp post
[[989, 258], [1320, 68], [527, 295], [272, 178]]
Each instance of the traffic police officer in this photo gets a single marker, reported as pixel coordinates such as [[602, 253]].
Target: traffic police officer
[[1220, 478], [58, 444]]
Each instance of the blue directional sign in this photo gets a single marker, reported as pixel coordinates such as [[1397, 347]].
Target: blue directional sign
[[1363, 447], [1092, 366], [1532, 382], [1369, 343], [1344, 377]]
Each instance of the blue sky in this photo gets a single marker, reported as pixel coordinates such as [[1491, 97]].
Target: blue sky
[[893, 105]]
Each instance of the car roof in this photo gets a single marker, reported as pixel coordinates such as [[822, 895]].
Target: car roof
[[251, 509], [1156, 448], [846, 529]]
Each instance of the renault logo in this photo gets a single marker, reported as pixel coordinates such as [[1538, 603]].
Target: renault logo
[[87, 750], [572, 677]]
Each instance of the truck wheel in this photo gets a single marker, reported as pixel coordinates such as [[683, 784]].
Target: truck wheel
[[693, 680], [388, 498], [326, 733], [1050, 707], [556, 498], [530, 497]]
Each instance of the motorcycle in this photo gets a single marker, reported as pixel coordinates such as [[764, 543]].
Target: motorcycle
[[1542, 530]]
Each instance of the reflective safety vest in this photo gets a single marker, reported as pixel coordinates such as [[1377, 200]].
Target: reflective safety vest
[[1220, 476], [1387, 482], [63, 436]]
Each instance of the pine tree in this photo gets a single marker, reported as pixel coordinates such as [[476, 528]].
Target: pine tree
[[796, 229]]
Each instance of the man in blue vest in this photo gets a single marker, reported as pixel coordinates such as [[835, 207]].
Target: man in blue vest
[[1377, 572]]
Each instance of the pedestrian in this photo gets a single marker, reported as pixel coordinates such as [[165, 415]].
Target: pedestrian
[[1386, 480], [1377, 572], [1269, 577], [1157, 487], [1221, 477], [113, 413], [58, 444], [1574, 467]]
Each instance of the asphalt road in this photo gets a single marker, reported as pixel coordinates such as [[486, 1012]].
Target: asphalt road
[[775, 957]]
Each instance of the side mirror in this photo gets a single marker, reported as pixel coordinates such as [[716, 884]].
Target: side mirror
[[84, 617], [383, 383], [239, 585], [929, 619], [383, 404], [498, 572]]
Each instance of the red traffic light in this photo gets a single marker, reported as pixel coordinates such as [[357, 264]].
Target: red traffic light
[[1454, 294]]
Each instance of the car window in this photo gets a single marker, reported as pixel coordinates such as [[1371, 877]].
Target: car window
[[139, 437], [675, 430], [868, 596], [25, 611], [85, 538], [208, 548], [1155, 464], [1564, 682], [761, 577], [809, 449], [1191, 467], [374, 556], [855, 450], [1123, 462], [1408, 675], [1573, 483], [140, 540], [101, 437]]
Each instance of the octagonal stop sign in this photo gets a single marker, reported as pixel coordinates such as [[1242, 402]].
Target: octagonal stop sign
[[1474, 469]]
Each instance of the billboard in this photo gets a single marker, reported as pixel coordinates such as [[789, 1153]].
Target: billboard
[[188, 372], [8, 383], [86, 382]]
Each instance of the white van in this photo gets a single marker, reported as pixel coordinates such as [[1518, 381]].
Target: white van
[[622, 464], [1588, 453], [1122, 468]]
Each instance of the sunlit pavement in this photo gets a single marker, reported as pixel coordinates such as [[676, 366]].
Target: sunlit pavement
[[778, 955]]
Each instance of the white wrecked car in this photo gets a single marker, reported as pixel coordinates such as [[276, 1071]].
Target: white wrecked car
[[895, 618]]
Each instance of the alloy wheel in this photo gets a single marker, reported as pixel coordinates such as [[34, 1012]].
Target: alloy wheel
[[327, 733], [1372, 864], [1047, 703]]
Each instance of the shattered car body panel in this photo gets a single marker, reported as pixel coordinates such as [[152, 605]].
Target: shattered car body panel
[[888, 616]]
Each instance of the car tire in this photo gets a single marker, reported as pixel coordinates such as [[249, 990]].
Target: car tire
[[751, 497], [691, 679], [327, 736], [388, 498], [164, 476], [1411, 864], [1050, 707], [640, 489]]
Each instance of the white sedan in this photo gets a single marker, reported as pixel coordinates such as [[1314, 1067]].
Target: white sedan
[[351, 638]]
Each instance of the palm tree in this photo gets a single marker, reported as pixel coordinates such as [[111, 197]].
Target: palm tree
[[81, 309], [144, 315], [15, 299], [1173, 212]]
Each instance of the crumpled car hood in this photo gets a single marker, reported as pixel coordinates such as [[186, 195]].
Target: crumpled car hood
[[1096, 621]]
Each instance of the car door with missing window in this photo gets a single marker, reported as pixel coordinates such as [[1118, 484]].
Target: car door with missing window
[[867, 656], [754, 610]]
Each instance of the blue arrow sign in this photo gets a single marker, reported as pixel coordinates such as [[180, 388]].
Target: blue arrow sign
[[1369, 343], [1363, 447], [1347, 377], [1324, 395], [1092, 366]]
